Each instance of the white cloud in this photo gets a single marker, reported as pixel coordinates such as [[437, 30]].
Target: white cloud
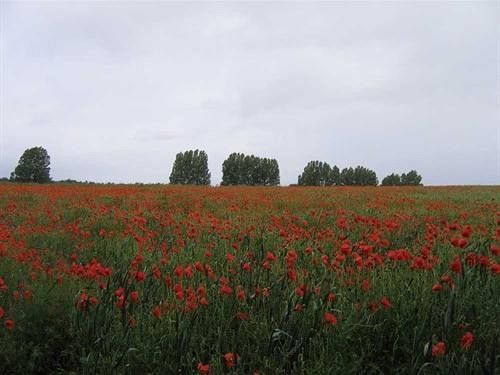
[[114, 91]]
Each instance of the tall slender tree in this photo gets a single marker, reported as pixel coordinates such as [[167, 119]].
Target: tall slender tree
[[240, 169], [318, 173], [190, 168], [391, 180], [411, 178]]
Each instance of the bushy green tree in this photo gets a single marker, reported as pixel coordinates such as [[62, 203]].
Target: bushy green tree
[[240, 169], [190, 168], [33, 166], [347, 176], [411, 178], [335, 175], [269, 172], [318, 173], [364, 176], [360, 176], [232, 169], [391, 180]]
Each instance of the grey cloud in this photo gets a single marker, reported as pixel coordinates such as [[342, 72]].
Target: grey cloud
[[146, 134], [126, 86]]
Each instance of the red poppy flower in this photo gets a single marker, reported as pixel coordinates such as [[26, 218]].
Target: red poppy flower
[[270, 257], [241, 315], [157, 312], [437, 287], [179, 271], [467, 231], [229, 360], [240, 294], [331, 297], [224, 289], [134, 296], [203, 369], [456, 266], [438, 349], [466, 340], [329, 318], [10, 324], [366, 285], [198, 266], [462, 242], [299, 291], [386, 304], [266, 293], [140, 276], [495, 268]]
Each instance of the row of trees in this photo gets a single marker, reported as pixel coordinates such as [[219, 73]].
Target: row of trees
[[412, 178], [241, 169], [191, 168], [318, 173]]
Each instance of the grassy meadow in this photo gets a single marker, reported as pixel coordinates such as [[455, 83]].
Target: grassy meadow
[[240, 280]]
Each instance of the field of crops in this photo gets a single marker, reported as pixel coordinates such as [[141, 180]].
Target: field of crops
[[164, 280]]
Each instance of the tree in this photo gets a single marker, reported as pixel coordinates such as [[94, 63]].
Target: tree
[[33, 166], [190, 168], [232, 169], [411, 178], [240, 169], [335, 176], [364, 176], [358, 176], [391, 180], [347, 176], [318, 173]]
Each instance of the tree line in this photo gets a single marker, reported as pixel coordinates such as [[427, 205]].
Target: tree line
[[191, 168], [241, 169], [319, 173], [410, 178]]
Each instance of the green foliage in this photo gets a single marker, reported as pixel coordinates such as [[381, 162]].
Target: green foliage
[[241, 169], [391, 180], [44, 340], [411, 178], [318, 173], [347, 176], [359, 176], [190, 168], [282, 331], [33, 166]]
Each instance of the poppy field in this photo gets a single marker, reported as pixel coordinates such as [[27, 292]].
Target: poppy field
[[242, 280]]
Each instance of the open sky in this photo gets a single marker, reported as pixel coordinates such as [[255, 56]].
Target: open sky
[[113, 90]]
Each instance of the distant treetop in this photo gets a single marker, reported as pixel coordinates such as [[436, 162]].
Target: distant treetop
[[318, 173], [240, 169], [33, 166], [190, 168], [412, 178]]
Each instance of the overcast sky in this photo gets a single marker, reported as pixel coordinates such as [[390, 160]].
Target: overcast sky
[[114, 90]]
